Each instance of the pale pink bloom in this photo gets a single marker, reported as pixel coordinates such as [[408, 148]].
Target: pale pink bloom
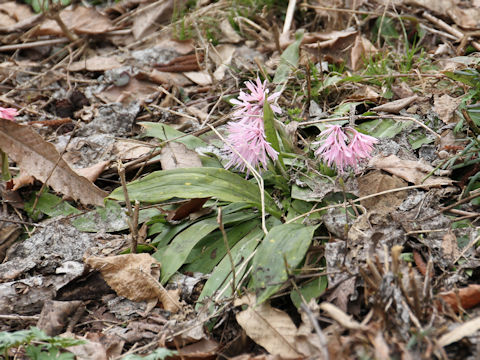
[[250, 106], [247, 136], [361, 145], [344, 148], [8, 113], [250, 142]]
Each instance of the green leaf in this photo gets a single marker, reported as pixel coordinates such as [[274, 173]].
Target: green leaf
[[310, 290], [50, 205], [42, 5], [5, 170], [467, 76], [289, 59], [285, 244], [269, 126], [418, 138], [165, 132], [208, 252], [196, 183], [222, 274], [384, 128], [175, 254]]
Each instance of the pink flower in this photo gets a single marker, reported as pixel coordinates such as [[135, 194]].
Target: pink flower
[[334, 148], [8, 113], [248, 139], [247, 136], [251, 105]]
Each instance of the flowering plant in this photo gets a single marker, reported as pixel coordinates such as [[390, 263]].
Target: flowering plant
[[247, 137], [335, 150], [8, 113]]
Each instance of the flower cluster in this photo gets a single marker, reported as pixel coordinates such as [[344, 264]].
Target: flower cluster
[[344, 147], [8, 113], [247, 135]]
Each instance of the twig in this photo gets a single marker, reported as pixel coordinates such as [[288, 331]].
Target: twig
[[321, 337], [289, 16], [20, 317], [33, 44], [131, 213], [227, 247], [443, 25]]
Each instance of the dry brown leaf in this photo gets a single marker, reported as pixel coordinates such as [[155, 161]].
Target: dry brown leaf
[[468, 297], [439, 7], [269, 327], [162, 77], [361, 51], [134, 276], [176, 155], [334, 44], [39, 158], [445, 107], [376, 182], [135, 90], [12, 12], [465, 18], [82, 20], [394, 107], [412, 171], [466, 329], [450, 246], [222, 57], [128, 150], [229, 35], [93, 172], [22, 180], [96, 63], [201, 78], [203, 349], [364, 93], [146, 21]]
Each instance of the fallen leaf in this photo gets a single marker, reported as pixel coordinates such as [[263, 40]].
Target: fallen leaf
[[40, 159], [93, 172], [376, 182], [394, 107], [22, 180], [12, 13], [201, 78], [229, 35], [186, 209], [466, 329], [412, 171], [382, 352], [269, 327], [468, 297], [364, 93], [135, 90], [176, 155], [96, 63], [163, 77], [134, 276], [128, 150], [82, 20], [149, 15], [55, 316], [465, 18], [445, 107], [362, 50], [203, 349], [450, 246]]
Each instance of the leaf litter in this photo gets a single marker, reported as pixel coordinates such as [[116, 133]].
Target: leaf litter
[[302, 261]]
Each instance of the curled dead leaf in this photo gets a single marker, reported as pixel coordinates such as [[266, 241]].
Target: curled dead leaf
[[134, 276]]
